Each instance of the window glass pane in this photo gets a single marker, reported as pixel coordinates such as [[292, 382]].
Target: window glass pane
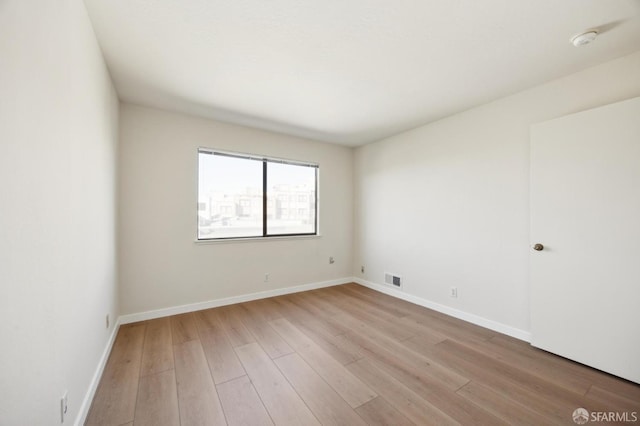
[[229, 197], [291, 195]]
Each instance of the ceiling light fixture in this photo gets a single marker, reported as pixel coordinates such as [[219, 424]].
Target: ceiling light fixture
[[584, 38]]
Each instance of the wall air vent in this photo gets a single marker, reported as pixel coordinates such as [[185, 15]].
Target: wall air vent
[[393, 280]]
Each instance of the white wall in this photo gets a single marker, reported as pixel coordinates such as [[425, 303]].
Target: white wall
[[160, 264], [447, 204], [58, 136]]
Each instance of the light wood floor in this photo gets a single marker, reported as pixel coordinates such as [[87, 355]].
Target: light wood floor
[[341, 355]]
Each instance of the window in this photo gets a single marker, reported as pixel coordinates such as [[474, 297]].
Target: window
[[245, 196]]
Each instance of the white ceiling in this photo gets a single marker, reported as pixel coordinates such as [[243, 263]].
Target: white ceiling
[[348, 71]]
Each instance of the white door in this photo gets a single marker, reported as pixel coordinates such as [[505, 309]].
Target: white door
[[585, 212]]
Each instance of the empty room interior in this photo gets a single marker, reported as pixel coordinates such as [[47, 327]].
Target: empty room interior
[[339, 212]]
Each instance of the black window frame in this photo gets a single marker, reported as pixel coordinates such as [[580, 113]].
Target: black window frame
[[265, 160]]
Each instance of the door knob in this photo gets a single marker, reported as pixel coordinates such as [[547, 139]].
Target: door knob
[[538, 247]]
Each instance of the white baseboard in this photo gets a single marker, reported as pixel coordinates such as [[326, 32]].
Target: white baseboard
[[182, 309], [465, 316], [95, 380]]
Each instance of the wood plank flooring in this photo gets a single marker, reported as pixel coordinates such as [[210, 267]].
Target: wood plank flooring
[[343, 355]]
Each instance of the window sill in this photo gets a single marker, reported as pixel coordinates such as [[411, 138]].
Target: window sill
[[258, 239]]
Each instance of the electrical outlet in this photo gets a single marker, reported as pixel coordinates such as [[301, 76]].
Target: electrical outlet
[[331, 260], [63, 406], [266, 277], [107, 321], [362, 269], [453, 292]]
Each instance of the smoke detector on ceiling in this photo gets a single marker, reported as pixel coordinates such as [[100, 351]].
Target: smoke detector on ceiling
[[584, 38]]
